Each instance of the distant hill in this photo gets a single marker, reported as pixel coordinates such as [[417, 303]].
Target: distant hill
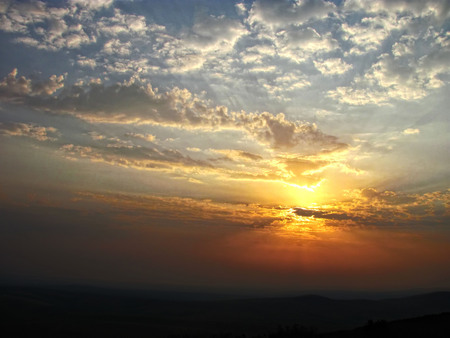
[[50, 312], [430, 326]]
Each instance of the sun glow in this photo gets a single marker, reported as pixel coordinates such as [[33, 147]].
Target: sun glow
[[311, 188], [293, 225], [306, 196]]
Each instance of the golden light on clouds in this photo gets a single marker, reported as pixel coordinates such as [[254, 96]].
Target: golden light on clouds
[[310, 141]]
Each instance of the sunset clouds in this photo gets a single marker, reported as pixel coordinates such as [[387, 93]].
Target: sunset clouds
[[302, 117]]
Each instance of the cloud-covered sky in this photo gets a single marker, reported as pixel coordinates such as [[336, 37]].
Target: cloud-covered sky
[[275, 145]]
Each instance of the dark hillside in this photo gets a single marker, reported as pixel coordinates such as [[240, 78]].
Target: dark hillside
[[70, 312]]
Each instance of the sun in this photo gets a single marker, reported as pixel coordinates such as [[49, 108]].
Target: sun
[[306, 196]]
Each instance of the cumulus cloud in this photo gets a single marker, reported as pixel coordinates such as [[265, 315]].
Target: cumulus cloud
[[402, 75], [359, 96], [407, 82], [210, 38], [122, 24], [437, 8], [86, 62], [53, 28], [92, 4], [241, 9], [367, 35], [12, 87], [145, 137], [211, 32], [17, 15], [130, 102], [50, 28], [299, 44], [36, 132], [332, 66]]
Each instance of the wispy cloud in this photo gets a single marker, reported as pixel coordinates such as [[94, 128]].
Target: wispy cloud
[[37, 132]]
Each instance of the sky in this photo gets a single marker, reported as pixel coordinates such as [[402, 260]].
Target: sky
[[277, 146]]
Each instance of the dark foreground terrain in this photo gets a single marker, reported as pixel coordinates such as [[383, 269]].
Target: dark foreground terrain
[[75, 312]]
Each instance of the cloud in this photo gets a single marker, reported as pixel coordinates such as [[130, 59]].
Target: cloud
[[358, 96], [390, 197], [300, 166], [198, 165], [283, 12], [323, 214], [370, 207], [28, 130], [53, 28], [116, 47], [86, 62], [92, 4], [210, 38], [276, 130], [145, 137], [241, 9], [438, 8], [411, 131], [17, 15], [408, 82], [234, 155], [405, 74], [298, 43], [123, 24], [130, 102], [411, 48], [210, 32], [12, 87], [142, 208], [47, 27], [126, 154], [397, 208], [250, 156], [368, 35], [332, 66]]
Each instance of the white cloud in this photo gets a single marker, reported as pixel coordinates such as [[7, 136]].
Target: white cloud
[[437, 8], [115, 46], [359, 96], [92, 4], [369, 34], [86, 62], [240, 8], [415, 66], [332, 66], [122, 23]]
